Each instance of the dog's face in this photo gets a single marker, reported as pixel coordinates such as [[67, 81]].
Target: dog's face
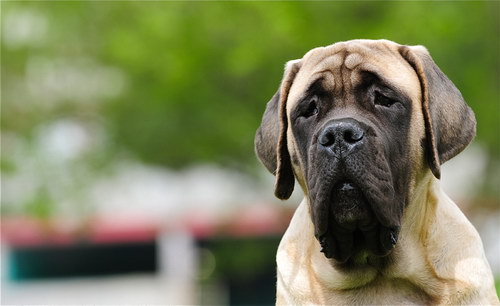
[[353, 123], [350, 117]]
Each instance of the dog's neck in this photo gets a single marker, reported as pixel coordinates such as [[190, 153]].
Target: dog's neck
[[409, 260]]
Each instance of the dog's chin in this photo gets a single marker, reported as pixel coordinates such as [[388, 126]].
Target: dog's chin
[[353, 228]]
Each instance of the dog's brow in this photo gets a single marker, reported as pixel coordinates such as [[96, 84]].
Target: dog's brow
[[313, 85], [377, 76], [385, 82]]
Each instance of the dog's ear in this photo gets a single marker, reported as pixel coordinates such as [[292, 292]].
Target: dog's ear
[[271, 137], [450, 124]]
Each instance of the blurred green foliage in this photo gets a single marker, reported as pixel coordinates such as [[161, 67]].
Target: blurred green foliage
[[197, 75]]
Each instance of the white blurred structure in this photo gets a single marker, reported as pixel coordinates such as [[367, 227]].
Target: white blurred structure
[[175, 283]]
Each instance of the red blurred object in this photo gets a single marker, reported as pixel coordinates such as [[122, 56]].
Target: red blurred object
[[258, 220], [251, 220], [25, 231], [122, 229]]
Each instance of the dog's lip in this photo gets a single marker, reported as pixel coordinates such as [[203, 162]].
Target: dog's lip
[[345, 188], [345, 185], [350, 198], [363, 232], [341, 247]]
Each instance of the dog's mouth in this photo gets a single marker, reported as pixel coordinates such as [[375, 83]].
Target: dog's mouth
[[352, 226], [348, 207]]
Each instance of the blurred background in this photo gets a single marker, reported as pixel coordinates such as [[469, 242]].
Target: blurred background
[[128, 169]]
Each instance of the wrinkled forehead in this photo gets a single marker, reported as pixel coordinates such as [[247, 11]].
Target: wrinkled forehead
[[341, 67]]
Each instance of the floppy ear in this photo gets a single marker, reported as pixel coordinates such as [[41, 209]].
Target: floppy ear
[[271, 137], [450, 124]]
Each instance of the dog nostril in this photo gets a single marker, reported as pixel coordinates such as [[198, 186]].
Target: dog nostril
[[327, 139], [352, 136]]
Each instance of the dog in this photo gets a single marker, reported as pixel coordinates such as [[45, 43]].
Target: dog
[[363, 126]]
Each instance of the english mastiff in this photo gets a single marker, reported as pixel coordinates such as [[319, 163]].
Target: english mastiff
[[363, 126]]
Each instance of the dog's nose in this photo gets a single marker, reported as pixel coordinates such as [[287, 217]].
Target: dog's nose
[[343, 133]]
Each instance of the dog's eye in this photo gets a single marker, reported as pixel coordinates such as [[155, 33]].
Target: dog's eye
[[311, 110], [382, 100]]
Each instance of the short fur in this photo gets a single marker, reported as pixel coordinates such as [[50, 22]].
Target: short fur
[[373, 204]]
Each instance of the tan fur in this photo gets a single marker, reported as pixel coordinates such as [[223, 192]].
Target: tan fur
[[439, 258]]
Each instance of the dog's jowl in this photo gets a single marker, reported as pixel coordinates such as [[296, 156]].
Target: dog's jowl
[[363, 127]]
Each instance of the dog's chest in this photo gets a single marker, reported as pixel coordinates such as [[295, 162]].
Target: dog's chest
[[308, 289], [383, 292]]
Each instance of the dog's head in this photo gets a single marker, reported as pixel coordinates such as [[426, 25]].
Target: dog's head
[[356, 123]]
